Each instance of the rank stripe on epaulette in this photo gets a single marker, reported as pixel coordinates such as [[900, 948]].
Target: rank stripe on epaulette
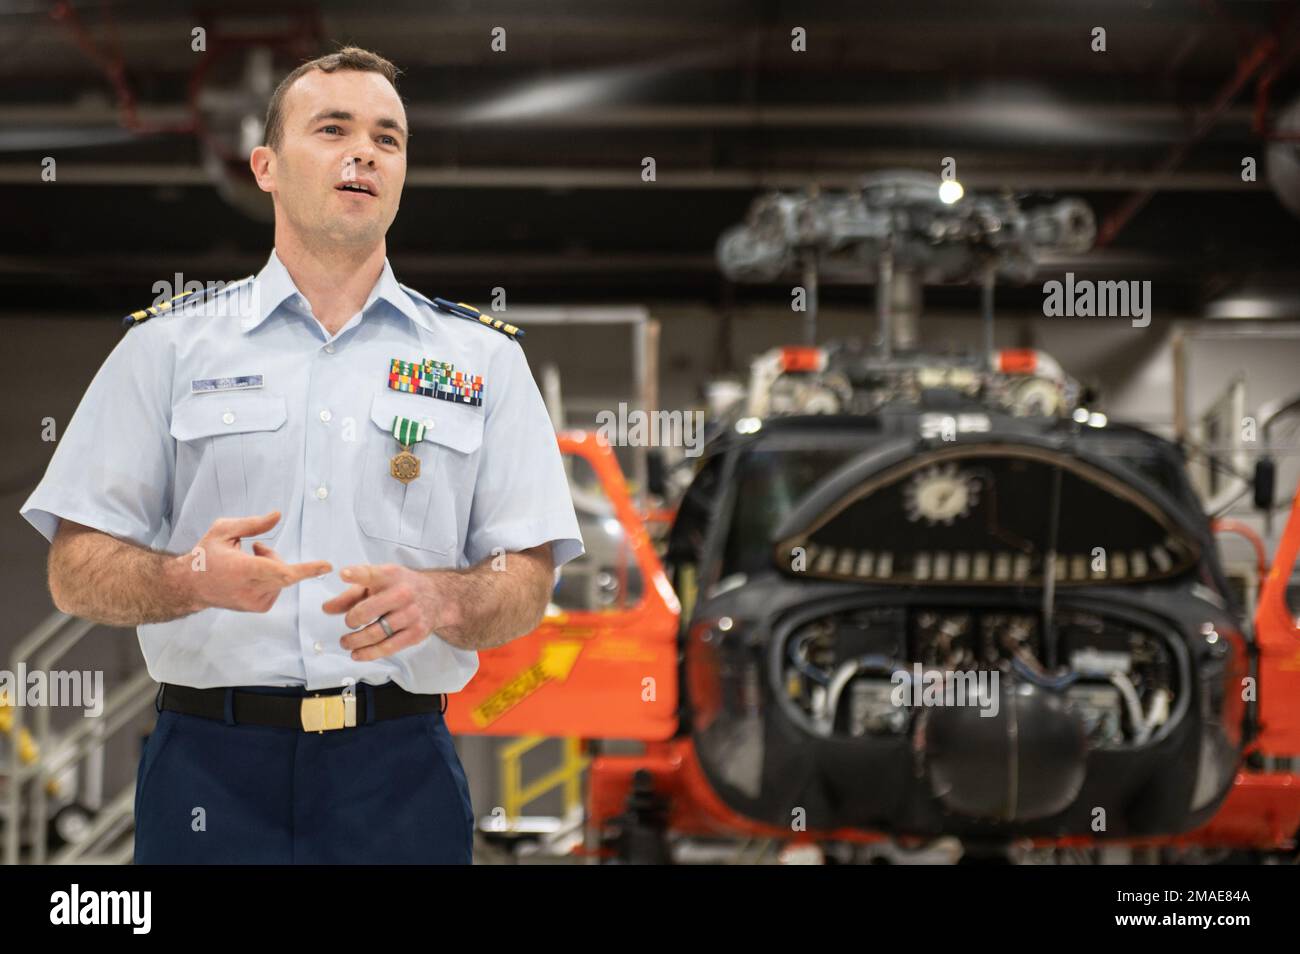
[[154, 310], [462, 310], [144, 314], [457, 308]]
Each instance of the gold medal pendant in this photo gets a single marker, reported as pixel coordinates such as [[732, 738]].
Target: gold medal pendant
[[405, 466]]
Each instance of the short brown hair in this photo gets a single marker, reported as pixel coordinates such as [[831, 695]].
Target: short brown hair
[[348, 58]]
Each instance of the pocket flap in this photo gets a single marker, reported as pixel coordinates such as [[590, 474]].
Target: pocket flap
[[458, 426], [206, 415]]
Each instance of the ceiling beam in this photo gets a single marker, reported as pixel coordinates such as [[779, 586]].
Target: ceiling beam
[[71, 172]]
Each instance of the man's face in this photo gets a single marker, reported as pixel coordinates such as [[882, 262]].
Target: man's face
[[338, 174]]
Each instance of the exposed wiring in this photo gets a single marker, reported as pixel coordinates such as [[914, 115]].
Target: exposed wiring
[[1134, 705], [845, 673], [1040, 678], [1158, 714]]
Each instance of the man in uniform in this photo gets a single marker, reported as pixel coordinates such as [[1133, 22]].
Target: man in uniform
[[240, 445]]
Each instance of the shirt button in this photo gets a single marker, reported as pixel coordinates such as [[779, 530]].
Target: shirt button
[[322, 492], [228, 418], [329, 348], [318, 647], [325, 415]]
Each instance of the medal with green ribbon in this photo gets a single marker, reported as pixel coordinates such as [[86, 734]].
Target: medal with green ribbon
[[405, 466]]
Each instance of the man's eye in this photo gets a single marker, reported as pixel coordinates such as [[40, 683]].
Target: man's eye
[[390, 139], [328, 128]]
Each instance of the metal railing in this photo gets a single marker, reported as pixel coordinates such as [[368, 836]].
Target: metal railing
[[515, 794], [52, 755]]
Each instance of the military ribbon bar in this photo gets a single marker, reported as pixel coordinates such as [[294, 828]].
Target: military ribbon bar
[[437, 379]]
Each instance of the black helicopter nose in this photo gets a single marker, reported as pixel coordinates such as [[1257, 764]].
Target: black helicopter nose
[[1021, 759]]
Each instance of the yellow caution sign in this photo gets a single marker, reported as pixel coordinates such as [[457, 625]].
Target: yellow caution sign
[[554, 663]]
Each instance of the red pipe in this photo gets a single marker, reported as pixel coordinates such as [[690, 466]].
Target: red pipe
[[1265, 49], [1245, 530], [298, 38]]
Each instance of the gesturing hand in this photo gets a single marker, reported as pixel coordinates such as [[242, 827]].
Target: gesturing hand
[[229, 578], [405, 598]]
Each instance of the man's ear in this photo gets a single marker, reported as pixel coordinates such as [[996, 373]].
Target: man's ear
[[262, 161]]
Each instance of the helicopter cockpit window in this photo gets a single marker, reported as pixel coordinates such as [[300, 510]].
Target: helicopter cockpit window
[[1158, 463], [992, 516], [606, 577], [769, 482], [686, 541]]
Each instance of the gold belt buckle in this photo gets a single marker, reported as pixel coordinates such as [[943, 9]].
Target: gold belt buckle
[[329, 712]]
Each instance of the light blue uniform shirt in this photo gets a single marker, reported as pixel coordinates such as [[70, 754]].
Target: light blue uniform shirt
[[158, 450]]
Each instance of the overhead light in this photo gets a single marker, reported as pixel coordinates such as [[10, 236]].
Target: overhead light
[[1097, 419], [950, 190], [748, 425], [1081, 415], [1259, 305]]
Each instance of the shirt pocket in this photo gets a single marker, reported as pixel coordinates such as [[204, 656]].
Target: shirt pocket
[[430, 511], [238, 445]]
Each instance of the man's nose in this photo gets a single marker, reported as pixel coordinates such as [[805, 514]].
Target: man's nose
[[363, 151]]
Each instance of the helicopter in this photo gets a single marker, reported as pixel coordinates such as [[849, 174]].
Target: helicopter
[[909, 597]]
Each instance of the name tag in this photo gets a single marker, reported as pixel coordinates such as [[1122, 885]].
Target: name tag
[[239, 383]]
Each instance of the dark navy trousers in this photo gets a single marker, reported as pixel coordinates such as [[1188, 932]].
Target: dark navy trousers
[[386, 792]]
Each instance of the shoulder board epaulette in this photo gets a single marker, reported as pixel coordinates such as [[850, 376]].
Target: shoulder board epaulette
[[176, 301], [462, 310]]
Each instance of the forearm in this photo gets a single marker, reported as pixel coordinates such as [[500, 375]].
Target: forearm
[[496, 604], [106, 580]]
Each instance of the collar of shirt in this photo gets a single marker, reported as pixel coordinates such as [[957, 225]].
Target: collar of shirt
[[273, 286]]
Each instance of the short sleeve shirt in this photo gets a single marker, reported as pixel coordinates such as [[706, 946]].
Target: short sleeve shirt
[[240, 403]]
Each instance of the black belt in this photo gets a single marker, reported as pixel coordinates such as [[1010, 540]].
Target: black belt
[[312, 712]]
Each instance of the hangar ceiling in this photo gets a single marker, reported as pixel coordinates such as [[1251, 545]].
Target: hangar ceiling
[[526, 164]]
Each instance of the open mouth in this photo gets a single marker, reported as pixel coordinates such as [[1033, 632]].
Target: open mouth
[[358, 187]]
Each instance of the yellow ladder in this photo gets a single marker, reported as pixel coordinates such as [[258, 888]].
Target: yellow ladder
[[515, 794]]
